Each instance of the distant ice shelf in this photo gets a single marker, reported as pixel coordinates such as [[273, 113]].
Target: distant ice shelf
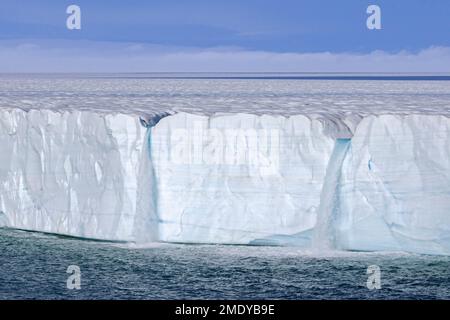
[[355, 182]]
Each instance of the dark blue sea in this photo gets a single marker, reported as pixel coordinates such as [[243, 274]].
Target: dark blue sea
[[34, 266]]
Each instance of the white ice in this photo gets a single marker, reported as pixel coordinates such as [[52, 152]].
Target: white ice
[[75, 173], [94, 172]]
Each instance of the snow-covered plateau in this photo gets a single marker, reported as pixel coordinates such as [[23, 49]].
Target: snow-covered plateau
[[320, 179]]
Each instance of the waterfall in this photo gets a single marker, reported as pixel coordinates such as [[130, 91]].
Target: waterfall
[[147, 221], [323, 237]]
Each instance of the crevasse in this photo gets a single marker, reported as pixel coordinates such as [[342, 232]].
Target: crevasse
[[307, 181]]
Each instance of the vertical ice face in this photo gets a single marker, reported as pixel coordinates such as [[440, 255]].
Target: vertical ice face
[[231, 178], [395, 192], [240, 178], [74, 173]]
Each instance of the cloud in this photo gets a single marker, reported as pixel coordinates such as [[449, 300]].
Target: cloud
[[86, 56]]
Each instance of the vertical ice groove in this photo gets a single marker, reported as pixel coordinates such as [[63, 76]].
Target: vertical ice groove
[[146, 224], [323, 237]]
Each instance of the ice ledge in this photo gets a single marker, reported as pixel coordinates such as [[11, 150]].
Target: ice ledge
[[110, 176]]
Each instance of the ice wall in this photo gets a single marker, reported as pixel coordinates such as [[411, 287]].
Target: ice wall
[[395, 187], [360, 183], [241, 178], [76, 173]]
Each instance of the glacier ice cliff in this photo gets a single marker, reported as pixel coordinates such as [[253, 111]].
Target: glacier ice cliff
[[395, 187], [75, 173], [374, 182]]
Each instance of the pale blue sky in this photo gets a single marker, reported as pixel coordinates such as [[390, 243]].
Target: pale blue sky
[[132, 28]]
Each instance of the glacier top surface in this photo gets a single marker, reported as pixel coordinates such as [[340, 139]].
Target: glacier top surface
[[148, 96]]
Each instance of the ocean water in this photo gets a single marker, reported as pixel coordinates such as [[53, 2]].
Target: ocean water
[[34, 265]]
